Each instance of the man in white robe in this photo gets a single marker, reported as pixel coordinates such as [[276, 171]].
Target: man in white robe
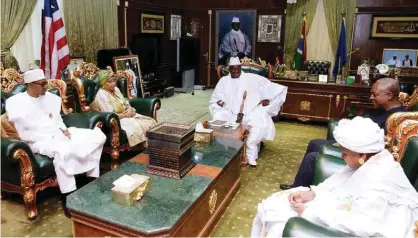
[[263, 100], [37, 119], [370, 197]]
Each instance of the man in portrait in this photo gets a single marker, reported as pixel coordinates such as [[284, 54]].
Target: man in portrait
[[235, 43], [394, 62], [407, 61]]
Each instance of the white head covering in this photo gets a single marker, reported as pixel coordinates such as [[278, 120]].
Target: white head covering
[[360, 135], [234, 61], [235, 20], [33, 75]]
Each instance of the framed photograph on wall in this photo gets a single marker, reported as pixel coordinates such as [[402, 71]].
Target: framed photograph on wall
[[75, 61], [394, 27], [400, 57], [269, 28], [175, 25], [235, 35], [152, 23]]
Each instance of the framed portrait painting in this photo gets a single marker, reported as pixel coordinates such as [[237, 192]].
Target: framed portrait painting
[[152, 23], [175, 31], [400, 57], [269, 28], [235, 35]]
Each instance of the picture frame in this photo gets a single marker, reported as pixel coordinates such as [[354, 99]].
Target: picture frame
[[394, 27], [175, 27], [130, 64], [223, 32], [365, 60], [401, 56], [269, 28], [151, 23], [75, 61]]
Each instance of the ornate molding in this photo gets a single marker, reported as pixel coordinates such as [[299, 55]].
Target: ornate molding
[[9, 79], [404, 130], [115, 143], [123, 74], [86, 70], [212, 201], [305, 106], [407, 100], [62, 88], [78, 85], [392, 123]]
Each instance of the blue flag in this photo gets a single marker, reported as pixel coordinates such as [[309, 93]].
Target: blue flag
[[341, 56]]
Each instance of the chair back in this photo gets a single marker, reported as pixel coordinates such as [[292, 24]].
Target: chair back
[[317, 67], [248, 66], [410, 102]]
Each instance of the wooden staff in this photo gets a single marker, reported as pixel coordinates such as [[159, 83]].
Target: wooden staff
[[240, 114]]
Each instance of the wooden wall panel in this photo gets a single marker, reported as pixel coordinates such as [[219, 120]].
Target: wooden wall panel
[[373, 47]]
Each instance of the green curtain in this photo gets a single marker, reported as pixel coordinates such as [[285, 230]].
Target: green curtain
[[91, 25], [333, 15], [14, 16], [294, 20]]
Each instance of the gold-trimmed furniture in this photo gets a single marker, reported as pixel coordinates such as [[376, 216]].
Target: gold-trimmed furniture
[[249, 66], [85, 80], [25, 172]]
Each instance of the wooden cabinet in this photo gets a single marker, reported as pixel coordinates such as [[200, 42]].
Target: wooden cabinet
[[312, 101]]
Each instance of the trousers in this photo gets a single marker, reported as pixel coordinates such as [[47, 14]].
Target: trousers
[[305, 174]]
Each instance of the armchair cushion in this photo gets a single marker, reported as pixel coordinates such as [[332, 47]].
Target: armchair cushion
[[409, 161], [331, 126], [46, 167], [331, 150], [317, 67], [8, 129], [122, 84], [300, 227]]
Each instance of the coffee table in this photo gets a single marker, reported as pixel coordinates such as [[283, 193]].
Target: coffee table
[[187, 207], [241, 133]]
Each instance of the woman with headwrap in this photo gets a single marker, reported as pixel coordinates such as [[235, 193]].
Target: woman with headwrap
[[110, 99], [370, 197]]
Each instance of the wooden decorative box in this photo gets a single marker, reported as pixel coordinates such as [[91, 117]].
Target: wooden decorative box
[[203, 136], [127, 195], [169, 147]]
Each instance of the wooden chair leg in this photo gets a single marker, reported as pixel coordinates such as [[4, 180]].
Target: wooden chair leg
[[115, 158], [29, 197]]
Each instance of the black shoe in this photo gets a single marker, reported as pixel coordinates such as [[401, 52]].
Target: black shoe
[[286, 186], [63, 198]]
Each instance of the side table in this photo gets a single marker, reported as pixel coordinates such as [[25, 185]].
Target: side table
[[241, 133]]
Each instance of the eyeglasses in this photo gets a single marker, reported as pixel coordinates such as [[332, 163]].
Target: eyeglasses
[[44, 84]]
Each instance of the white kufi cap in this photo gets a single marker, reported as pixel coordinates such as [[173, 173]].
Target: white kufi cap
[[235, 20], [33, 75], [360, 135], [234, 61]]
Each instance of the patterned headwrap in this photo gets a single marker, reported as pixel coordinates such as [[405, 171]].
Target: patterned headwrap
[[104, 75]]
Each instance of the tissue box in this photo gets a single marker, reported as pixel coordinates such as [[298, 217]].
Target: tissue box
[[203, 136], [128, 195]]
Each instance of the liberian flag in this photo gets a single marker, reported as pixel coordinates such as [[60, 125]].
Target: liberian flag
[[300, 56], [55, 54]]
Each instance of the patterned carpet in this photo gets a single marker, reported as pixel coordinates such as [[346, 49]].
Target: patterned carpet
[[277, 164]]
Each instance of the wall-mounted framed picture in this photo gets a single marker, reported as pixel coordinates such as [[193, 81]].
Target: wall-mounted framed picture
[[400, 57], [75, 61], [235, 35], [175, 29], [152, 23], [269, 28], [394, 27]]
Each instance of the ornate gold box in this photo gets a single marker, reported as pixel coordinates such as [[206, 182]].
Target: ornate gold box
[[127, 192]]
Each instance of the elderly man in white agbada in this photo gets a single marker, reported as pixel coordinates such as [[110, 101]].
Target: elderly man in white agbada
[[371, 196], [36, 116], [263, 100]]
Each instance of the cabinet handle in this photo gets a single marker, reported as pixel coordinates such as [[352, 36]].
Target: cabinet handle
[[337, 100]]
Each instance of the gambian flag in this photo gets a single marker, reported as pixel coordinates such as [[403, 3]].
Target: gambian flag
[[300, 56]]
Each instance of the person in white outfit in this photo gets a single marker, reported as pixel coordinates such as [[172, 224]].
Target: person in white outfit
[[371, 196], [263, 100], [37, 119]]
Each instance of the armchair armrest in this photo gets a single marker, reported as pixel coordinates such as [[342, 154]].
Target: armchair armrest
[[88, 120], [146, 106], [300, 227], [331, 126], [325, 166], [331, 150], [13, 154]]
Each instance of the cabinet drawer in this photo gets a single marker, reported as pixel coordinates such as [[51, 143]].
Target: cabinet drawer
[[307, 106]]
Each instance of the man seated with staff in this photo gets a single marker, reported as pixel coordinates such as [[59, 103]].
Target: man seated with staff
[[249, 99]]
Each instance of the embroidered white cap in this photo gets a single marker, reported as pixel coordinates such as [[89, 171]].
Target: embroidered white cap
[[234, 61], [33, 75], [235, 20]]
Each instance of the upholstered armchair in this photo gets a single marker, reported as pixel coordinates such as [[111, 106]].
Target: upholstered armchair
[[401, 141], [85, 80], [248, 66], [25, 172]]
